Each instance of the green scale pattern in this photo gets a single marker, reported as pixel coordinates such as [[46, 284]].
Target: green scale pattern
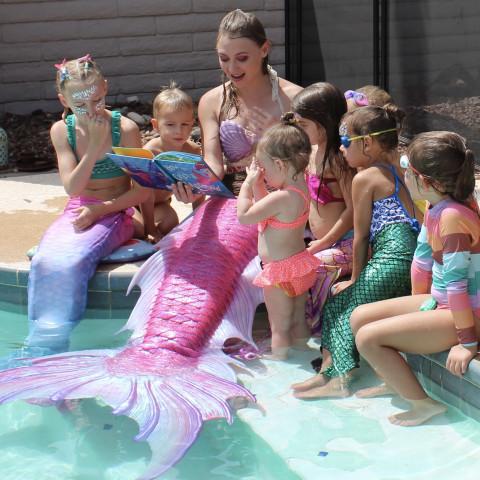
[[386, 275]]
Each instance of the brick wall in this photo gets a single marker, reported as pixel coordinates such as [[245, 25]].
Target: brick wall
[[139, 44]]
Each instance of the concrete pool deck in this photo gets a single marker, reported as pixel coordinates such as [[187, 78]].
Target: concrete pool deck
[[28, 205]]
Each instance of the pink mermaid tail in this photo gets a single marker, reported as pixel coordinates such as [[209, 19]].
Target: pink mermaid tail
[[172, 375], [335, 263]]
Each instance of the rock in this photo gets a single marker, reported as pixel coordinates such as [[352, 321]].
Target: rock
[[138, 119]]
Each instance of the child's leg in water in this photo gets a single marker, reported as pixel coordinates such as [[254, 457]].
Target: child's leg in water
[[280, 308], [373, 312], [317, 380], [300, 330], [420, 332]]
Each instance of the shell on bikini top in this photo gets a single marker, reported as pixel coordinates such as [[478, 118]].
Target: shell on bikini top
[[237, 142]]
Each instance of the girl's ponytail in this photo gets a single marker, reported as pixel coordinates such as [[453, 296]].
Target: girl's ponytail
[[465, 182], [394, 113], [288, 118]]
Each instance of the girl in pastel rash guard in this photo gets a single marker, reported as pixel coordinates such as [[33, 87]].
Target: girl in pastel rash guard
[[443, 312], [251, 99]]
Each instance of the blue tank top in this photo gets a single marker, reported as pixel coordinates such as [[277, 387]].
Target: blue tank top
[[104, 168], [390, 210]]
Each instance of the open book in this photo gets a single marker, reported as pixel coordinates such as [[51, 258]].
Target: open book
[[167, 168]]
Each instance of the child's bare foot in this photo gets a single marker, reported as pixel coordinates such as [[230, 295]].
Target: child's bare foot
[[336, 387], [301, 344], [279, 353], [377, 391], [422, 410], [312, 382]]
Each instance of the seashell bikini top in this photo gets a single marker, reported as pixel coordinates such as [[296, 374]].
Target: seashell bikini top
[[238, 142]]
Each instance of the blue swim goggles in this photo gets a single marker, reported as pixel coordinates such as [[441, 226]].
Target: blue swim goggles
[[346, 141]]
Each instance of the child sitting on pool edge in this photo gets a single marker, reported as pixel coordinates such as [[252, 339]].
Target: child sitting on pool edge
[[173, 118]]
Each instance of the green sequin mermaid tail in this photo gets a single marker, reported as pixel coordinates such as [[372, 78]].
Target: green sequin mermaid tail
[[386, 275]]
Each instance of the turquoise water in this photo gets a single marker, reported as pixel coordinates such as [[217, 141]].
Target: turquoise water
[[281, 439]]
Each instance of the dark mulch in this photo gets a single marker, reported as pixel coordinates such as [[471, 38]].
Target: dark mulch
[[29, 145], [30, 148]]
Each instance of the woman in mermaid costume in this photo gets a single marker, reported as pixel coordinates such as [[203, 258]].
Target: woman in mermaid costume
[[97, 218], [252, 98], [196, 291], [384, 218]]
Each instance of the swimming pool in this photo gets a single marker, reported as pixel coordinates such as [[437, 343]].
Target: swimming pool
[[282, 439]]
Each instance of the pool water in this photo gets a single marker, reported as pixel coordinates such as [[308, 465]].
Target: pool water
[[281, 439]]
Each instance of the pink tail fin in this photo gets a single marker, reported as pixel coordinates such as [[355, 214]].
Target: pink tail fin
[[169, 406]]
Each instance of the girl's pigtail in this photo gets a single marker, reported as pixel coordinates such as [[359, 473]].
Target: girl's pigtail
[[395, 113], [465, 183]]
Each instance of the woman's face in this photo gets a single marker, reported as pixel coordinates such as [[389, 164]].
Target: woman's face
[[240, 58]]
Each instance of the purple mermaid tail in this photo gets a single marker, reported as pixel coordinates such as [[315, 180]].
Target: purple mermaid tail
[[64, 263], [172, 375]]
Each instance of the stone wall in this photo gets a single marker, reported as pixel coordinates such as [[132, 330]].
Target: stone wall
[[140, 45]]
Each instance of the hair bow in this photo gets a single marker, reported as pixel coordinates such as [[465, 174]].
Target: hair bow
[[62, 68]]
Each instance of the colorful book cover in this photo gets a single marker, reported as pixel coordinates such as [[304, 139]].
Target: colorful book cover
[[167, 168]]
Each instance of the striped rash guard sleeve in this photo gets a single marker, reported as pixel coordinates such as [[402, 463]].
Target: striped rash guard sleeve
[[457, 246], [421, 270]]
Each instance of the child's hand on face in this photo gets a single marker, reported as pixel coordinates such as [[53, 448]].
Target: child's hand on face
[[99, 131], [254, 173], [87, 215]]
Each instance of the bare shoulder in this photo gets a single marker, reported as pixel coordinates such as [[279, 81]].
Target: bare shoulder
[[288, 88], [58, 131], [365, 178], [212, 98], [154, 145], [192, 147], [127, 125]]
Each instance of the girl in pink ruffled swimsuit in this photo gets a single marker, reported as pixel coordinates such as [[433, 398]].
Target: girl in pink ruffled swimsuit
[[289, 270]]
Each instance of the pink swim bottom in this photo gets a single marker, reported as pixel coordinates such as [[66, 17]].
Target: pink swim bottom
[[294, 275]]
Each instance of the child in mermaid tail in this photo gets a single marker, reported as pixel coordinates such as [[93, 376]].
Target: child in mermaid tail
[[173, 118], [97, 218], [384, 219], [443, 312], [289, 270], [319, 109]]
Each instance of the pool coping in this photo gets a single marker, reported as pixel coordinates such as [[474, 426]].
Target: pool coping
[[106, 290]]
